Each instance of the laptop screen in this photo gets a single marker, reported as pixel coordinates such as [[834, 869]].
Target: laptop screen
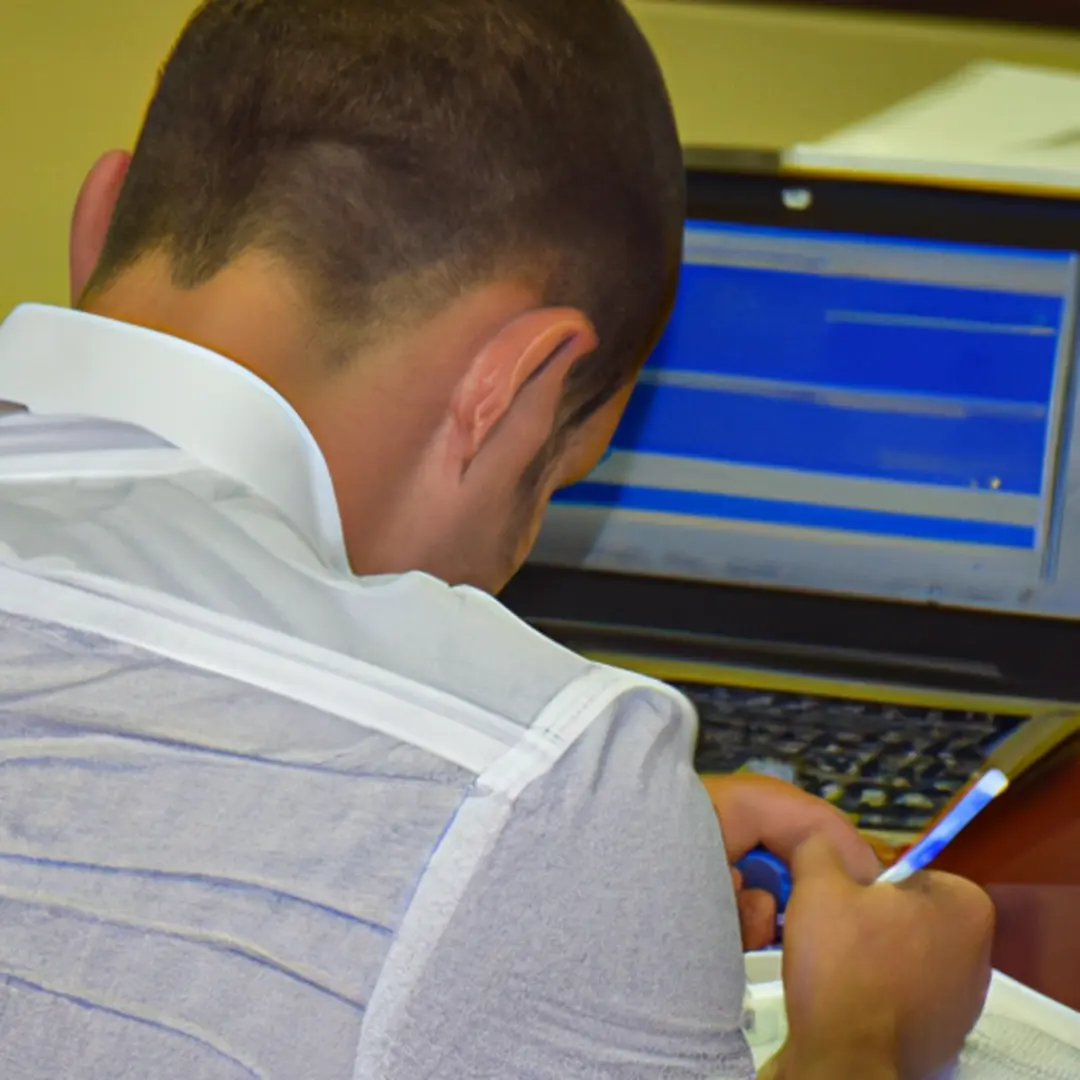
[[882, 413]]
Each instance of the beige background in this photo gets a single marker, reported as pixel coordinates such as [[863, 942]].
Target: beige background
[[76, 74]]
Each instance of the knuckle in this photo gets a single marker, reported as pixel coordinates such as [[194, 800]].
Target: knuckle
[[985, 913], [980, 913]]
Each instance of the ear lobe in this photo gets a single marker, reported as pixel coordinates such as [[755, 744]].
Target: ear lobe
[[92, 217], [540, 345]]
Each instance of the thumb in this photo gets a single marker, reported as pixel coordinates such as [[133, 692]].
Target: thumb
[[818, 857]]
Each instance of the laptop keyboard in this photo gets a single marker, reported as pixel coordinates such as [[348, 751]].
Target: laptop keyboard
[[892, 767]]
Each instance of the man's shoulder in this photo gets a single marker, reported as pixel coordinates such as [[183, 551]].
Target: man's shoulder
[[232, 558], [462, 641], [469, 642]]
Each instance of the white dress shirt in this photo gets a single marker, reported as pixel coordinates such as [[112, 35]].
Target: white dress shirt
[[259, 817]]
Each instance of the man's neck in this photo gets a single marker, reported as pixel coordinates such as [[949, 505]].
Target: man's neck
[[250, 312], [371, 414]]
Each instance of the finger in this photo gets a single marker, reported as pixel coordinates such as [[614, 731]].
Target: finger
[[757, 918], [956, 900], [759, 810], [736, 880], [886, 853], [818, 858]]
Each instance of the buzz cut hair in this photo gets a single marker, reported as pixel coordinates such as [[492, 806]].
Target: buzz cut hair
[[397, 153]]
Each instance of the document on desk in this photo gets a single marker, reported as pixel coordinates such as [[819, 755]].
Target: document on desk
[[1021, 1036], [991, 125]]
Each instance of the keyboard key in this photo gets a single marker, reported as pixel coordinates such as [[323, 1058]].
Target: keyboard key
[[892, 768]]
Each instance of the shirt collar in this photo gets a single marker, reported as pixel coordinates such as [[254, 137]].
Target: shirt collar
[[60, 362]]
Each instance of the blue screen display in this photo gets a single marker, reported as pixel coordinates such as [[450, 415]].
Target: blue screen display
[[894, 388]]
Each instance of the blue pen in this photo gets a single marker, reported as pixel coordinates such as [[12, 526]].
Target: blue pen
[[918, 857], [761, 869], [1031, 742]]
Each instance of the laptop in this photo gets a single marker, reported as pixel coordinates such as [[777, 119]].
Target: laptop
[[842, 511]]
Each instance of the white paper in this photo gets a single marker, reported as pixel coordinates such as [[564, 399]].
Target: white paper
[[992, 123], [1022, 1035]]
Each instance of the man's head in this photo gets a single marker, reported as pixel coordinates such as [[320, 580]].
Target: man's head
[[447, 231]]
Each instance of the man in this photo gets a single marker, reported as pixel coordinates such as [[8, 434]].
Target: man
[[285, 793]]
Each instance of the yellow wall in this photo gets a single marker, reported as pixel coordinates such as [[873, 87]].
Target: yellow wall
[[75, 76]]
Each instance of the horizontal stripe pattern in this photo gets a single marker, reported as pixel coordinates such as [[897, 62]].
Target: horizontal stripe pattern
[[809, 515]]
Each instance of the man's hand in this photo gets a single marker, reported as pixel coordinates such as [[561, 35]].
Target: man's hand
[[760, 811], [880, 981]]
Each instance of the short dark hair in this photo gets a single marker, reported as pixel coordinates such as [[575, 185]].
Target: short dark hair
[[398, 152]]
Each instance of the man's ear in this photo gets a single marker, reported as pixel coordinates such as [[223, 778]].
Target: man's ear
[[92, 217], [531, 357]]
